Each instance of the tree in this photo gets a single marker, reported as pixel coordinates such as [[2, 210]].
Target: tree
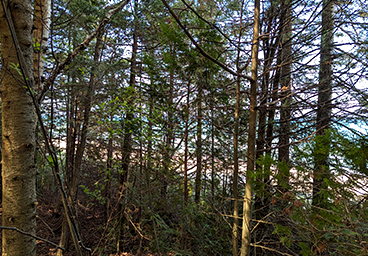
[[198, 180], [41, 23], [236, 142], [324, 109], [18, 118], [247, 208], [285, 95]]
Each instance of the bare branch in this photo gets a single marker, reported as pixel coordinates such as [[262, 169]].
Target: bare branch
[[35, 237]]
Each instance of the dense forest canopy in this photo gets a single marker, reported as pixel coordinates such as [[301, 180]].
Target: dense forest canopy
[[184, 127]]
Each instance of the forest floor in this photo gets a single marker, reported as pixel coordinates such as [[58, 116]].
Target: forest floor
[[91, 220]]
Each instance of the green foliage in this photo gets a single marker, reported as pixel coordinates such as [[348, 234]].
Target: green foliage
[[305, 249], [96, 193], [330, 229], [284, 233], [15, 67]]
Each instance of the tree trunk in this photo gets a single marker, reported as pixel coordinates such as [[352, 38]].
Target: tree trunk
[[324, 110], [198, 183], [272, 105], [262, 197], [169, 136], [127, 143], [213, 171], [109, 163], [18, 135], [236, 168], [285, 97], [236, 141], [41, 24], [187, 112], [247, 211]]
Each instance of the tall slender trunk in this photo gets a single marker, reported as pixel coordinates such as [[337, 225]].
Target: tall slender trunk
[[109, 163], [236, 141], [70, 135], [272, 105], [69, 160], [262, 195], [262, 119], [41, 25], [198, 183], [324, 103], [127, 143], [247, 210], [285, 97], [18, 130], [86, 117], [169, 136], [236, 169], [213, 171], [186, 131], [149, 142]]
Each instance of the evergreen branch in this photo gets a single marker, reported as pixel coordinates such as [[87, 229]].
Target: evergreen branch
[[59, 68], [211, 24], [200, 49], [33, 236]]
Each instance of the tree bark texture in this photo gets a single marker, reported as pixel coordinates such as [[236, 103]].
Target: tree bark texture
[[168, 148], [236, 144], [247, 211], [285, 94], [41, 24], [198, 179], [186, 131], [18, 119], [324, 101], [236, 169]]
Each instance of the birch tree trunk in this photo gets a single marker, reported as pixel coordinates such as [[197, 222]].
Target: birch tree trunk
[[18, 119], [41, 24]]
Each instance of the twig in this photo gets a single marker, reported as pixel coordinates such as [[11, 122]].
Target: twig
[[135, 227], [270, 249], [46, 225], [35, 237]]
